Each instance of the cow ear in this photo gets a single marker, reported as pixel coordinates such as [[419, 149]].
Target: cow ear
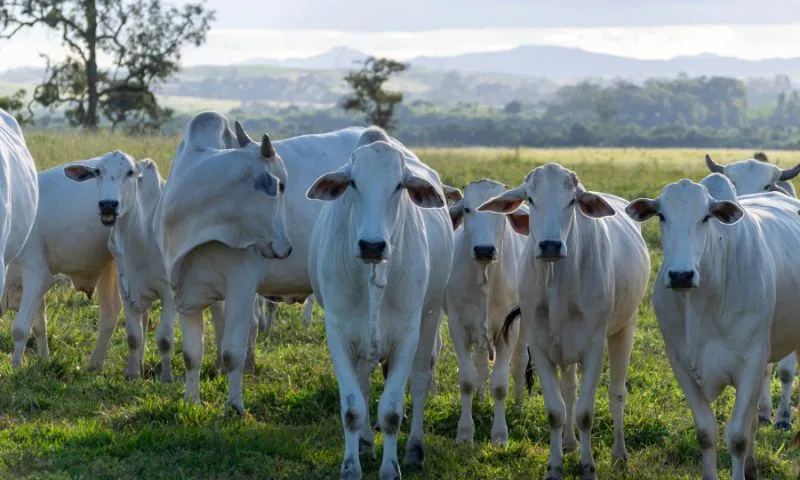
[[80, 173], [452, 193], [641, 209], [457, 214], [594, 206], [726, 212], [143, 165], [267, 183], [329, 186], [505, 203], [422, 193], [520, 220]]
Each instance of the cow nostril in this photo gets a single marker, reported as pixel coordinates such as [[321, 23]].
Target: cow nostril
[[550, 245], [369, 248], [484, 251], [108, 204], [681, 277]]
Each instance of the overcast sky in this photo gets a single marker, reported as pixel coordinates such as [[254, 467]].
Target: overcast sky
[[637, 28]]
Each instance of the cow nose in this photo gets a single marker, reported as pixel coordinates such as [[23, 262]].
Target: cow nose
[[108, 206], [681, 279], [372, 251], [484, 252], [550, 249]]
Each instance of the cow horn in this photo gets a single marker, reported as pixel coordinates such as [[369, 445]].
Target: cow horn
[[790, 173], [241, 136], [267, 150], [714, 167]]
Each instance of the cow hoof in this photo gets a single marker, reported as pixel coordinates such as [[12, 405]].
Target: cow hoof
[[366, 448], [391, 472], [554, 473], [95, 366], [351, 470], [750, 472], [783, 425], [237, 407], [764, 420], [415, 454], [619, 460], [132, 375], [500, 437], [588, 472]]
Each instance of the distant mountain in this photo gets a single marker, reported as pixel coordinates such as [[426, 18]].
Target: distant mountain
[[335, 58], [561, 63]]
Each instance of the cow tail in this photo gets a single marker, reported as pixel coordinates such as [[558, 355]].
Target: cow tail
[[529, 371], [515, 313]]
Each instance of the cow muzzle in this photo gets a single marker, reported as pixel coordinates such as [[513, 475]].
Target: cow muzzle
[[109, 211], [372, 251], [550, 251], [484, 253], [682, 280]]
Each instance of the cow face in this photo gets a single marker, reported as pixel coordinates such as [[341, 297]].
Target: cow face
[[754, 176], [117, 176], [378, 184], [553, 194], [484, 230], [685, 210]]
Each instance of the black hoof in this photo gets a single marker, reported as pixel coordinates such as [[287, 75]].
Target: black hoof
[[783, 425], [764, 420]]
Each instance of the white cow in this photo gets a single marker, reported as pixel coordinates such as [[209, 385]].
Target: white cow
[[128, 194], [220, 216], [481, 290], [726, 301], [66, 238], [380, 256], [584, 273], [751, 177], [19, 200]]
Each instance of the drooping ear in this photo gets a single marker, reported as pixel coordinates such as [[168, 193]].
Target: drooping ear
[[143, 165], [790, 173], [80, 173], [457, 214], [241, 135], [641, 209], [330, 186], [452, 193], [267, 183], [594, 206], [726, 212], [505, 203], [520, 220], [422, 193]]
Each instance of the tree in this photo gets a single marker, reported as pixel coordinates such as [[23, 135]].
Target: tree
[[369, 96], [141, 37], [513, 107], [14, 104]]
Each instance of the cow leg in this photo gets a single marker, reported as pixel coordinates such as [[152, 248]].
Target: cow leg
[[35, 284], [353, 404], [737, 435], [366, 442], [556, 413], [569, 392], [467, 378], [308, 310], [787, 369], [480, 357], [110, 306], [40, 329], [765, 401], [750, 472], [390, 407], [192, 330], [269, 319], [217, 310], [239, 323], [437, 350], [519, 362], [591, 368], [165, 334], [134, 325], [250, 356], [421, 379], [499, 385], [619, 356]]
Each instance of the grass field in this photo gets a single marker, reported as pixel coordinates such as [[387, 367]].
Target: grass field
[[59, 421]]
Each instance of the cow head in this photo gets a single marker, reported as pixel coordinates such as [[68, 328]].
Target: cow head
[[553, 194], [685, 210], [377, 185], [485, 230], [754, 176], [117, 176]]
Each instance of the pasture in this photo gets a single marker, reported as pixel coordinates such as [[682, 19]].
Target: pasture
[[59, 421]]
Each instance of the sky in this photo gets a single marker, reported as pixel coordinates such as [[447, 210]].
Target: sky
[[646, 29]]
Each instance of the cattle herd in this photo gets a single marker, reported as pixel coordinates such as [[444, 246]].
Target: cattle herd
[[541, 276]]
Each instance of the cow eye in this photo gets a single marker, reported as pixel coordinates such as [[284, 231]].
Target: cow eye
[[571, 202], [130, 173], [467, 210], [661, 218], [399, 187], [706, 219], [768, 188], [353, 184], [530, 200], [282, 187]]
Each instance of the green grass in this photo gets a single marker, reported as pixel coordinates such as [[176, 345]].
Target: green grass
[[59, 421]]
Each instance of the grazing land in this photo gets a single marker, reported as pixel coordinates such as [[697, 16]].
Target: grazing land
[[59, 421]]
